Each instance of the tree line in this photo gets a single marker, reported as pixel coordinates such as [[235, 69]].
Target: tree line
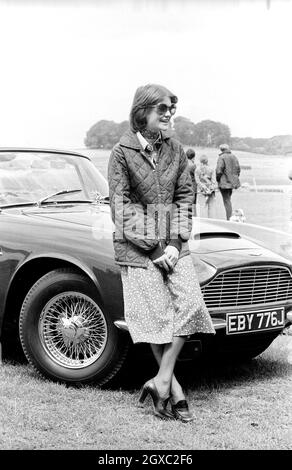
[[105, 134]]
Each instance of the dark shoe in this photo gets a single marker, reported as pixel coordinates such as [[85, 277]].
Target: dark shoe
[[181, 411], [159, 404]]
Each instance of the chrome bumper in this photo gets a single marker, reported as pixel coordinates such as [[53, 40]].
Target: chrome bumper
[[218, 324]]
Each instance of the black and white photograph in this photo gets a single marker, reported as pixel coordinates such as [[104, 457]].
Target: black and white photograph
[[145, 228]]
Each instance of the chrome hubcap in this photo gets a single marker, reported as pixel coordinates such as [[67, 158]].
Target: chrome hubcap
[[73, 330]]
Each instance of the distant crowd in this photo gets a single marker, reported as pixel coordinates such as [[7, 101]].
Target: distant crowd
[[207, 181]]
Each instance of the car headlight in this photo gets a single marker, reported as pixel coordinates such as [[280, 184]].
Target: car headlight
[[289, 315], [204, 270]]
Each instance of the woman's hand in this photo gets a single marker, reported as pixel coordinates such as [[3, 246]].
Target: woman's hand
[[164, 262], [172, 253], [169, 259]]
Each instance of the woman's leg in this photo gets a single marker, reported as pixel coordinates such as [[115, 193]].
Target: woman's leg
[[212, 207], [164, 377], [176, 391], [203, 208]]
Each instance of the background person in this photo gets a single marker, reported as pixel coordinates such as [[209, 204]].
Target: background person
[[206, 186], [162, 296], [238, 216], [227, 176], [190, 153]]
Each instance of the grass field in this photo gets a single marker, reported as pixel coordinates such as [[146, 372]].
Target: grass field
[[266, 195], [236, 407]]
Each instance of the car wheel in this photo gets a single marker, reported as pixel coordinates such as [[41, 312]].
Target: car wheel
[[66, 335]]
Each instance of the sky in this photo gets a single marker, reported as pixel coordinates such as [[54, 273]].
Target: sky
[[67, 64]]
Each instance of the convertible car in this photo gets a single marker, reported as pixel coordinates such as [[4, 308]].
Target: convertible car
[[61, 292]]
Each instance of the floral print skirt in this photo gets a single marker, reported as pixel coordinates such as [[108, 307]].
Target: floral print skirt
[[160, 305]]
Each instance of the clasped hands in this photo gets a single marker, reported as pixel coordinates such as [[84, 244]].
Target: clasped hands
[[169, 259]]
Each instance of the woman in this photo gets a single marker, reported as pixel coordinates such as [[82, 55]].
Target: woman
[[206, 186], [151, 203]]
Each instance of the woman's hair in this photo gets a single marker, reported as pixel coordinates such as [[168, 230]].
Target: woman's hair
[[146, 96]]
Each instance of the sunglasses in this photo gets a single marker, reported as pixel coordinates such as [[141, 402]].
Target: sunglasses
[[162, 108]]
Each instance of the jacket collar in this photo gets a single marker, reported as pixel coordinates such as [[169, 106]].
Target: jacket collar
[[224, 151], [130, 139], [146, 145]]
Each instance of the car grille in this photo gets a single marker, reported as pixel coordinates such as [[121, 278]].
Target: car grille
[[249, 286]]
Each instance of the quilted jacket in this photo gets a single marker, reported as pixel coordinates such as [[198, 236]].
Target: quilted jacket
[[151, 206], [228, 171]]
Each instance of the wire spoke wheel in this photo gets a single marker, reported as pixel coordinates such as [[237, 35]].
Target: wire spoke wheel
[[73, 330], [66, 332]]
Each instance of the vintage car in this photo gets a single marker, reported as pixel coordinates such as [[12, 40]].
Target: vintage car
[[61, 292]]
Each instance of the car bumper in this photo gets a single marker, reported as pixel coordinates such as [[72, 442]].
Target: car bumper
[[218, 323]]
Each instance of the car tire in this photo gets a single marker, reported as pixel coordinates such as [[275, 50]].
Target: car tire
[[66, 335]]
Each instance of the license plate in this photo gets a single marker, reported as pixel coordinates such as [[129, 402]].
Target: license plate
[[257, 320]]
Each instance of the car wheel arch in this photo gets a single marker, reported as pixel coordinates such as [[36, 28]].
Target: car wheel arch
[[25, 277]]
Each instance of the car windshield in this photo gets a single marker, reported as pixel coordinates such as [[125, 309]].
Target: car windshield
[[33, 177]]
